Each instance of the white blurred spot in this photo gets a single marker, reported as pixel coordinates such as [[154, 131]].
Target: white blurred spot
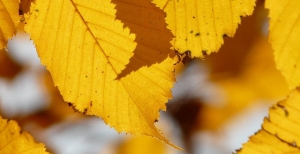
[[22, 50], [85, 136], [22, 96], [193, 82], [233, 133]]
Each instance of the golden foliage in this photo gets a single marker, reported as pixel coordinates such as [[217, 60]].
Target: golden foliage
[[85, 55], [142, 145], [280, 131], [14, 142], [284, 37], [9, 20], [245, 70], [25, 5], [199, 26]]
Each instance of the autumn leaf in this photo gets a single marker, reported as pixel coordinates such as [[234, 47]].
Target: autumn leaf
[[284, 37], [14, 142], [9, 20], [25, 5], [199, 26], [280, 131], [245, 71], [7, 62], [85, 48], [142, 145]]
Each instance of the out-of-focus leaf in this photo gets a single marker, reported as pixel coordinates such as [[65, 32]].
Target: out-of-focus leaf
[[142, 145], [84, 47], [258, 81], [280, 131], [11, 141], [244, 69], [8, 67], [9, 20], [199, 26], [230, 59], [284, 37]]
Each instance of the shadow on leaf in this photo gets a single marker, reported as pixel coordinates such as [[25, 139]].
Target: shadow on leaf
[[147, 22]]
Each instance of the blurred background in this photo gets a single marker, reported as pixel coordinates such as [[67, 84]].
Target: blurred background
[[218, 101]]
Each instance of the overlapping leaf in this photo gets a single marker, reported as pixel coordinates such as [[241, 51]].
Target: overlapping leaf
[[284, 37], [25, 5], [280, 133], [199, 25], [9, 20], [85, 48], [14, 142]]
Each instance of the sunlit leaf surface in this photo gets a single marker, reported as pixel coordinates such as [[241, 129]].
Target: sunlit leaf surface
[[280, 131], [199, 26], [14, 142], [284, 37], [85, 47], [9, 20]]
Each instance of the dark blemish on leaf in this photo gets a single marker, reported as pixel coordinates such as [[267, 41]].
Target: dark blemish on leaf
[[207, 33], [186, 39], [21, 12], [178, 56], [197, 34], [86, 76], [36, 10], [225, 35], [85, 110], [155, 120], [22, 19], [186, 59], [102, 71], [70, 104], [204, 52], [108, 116], [295, 65], [96, 91], [194, 17], [191, 31], [284, 109], [91, 103]]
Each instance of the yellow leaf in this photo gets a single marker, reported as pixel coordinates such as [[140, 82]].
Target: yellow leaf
[[142, 145], [284, 37], [9, 20], [85, 49], [245, 70], [200, 25], [280, 133], [25, 5], [11, 141]]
